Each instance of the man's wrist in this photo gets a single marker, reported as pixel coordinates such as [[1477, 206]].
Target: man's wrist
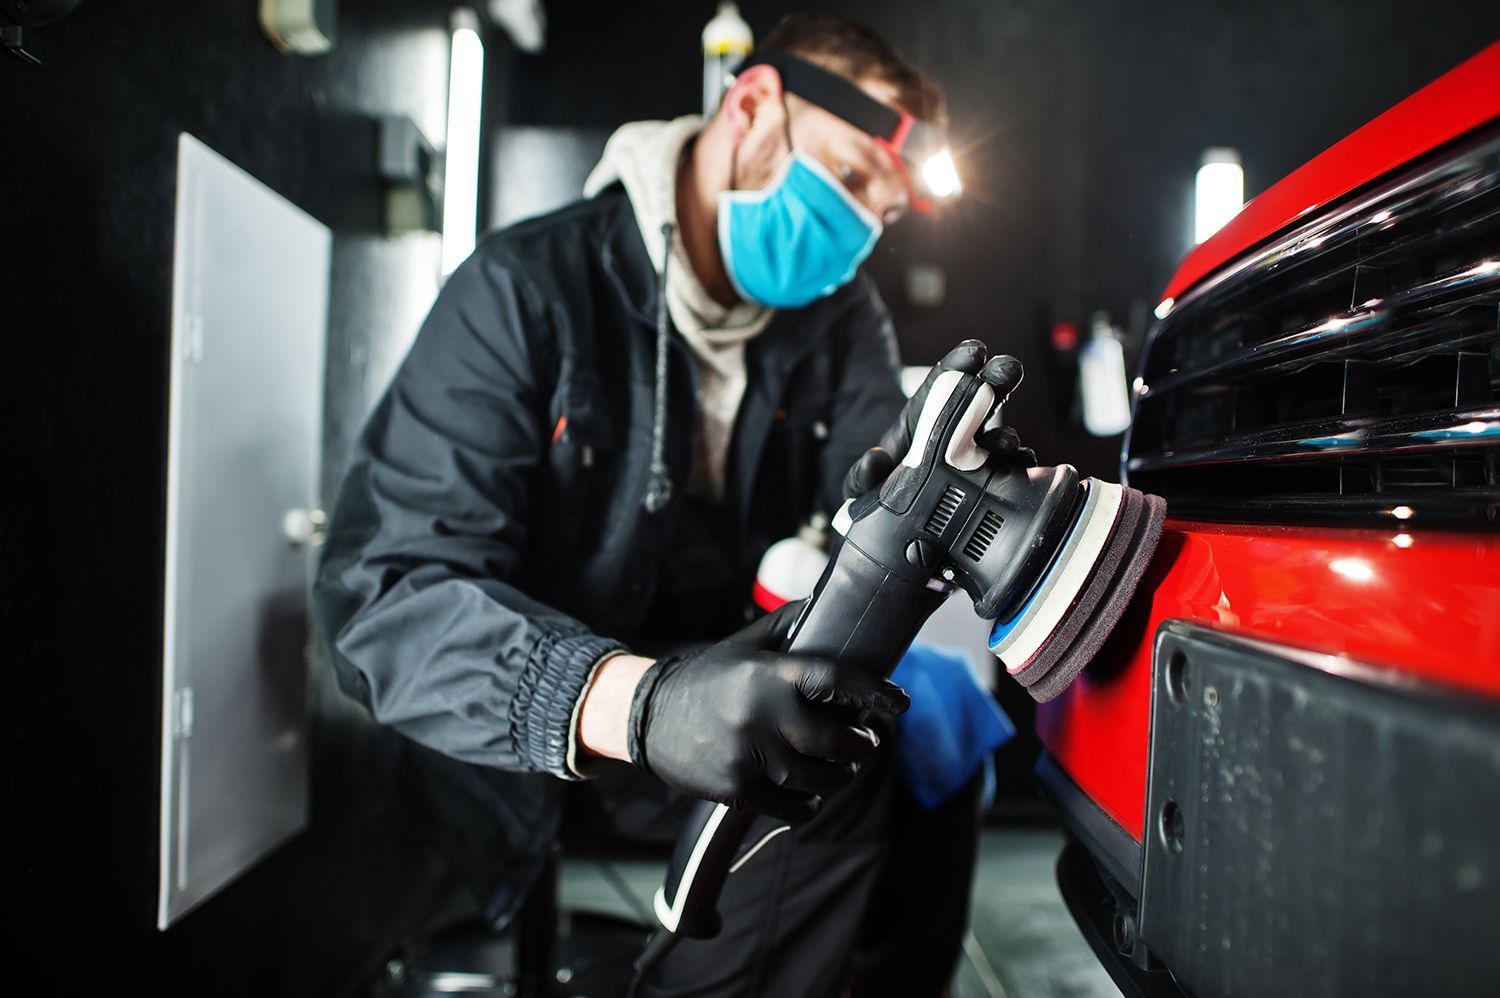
[[604, 713]]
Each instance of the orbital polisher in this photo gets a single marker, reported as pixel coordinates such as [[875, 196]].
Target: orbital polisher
[[1052, 558]]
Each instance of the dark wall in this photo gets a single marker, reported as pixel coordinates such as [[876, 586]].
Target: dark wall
[[89, 143], [1080, 125]]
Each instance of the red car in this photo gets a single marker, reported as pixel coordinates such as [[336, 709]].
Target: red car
[[1282, 773]]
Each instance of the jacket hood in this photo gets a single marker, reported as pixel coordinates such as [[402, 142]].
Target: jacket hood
[[644, 157]]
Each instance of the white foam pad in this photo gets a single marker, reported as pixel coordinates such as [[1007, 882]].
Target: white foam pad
[[1067, 577]]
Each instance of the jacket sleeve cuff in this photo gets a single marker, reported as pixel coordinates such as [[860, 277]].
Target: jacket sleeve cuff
[[550, 689]]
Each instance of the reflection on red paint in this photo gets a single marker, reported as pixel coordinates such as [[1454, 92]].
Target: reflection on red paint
[[1423, 604]]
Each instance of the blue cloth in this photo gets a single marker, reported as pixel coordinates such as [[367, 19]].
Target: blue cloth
[[952, 728]]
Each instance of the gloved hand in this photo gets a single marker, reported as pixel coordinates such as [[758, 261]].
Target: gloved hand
[[1002, 371], [744, 724]]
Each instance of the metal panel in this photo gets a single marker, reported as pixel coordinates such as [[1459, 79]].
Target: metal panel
[[1317, 827], [249, 320]]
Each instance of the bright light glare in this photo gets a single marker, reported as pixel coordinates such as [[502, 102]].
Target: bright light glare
[[1353, 569], [940, 174], [1402, 540], [1331, 326], [1402, 512], [461, 161], [1220, 192], [1164, 309]]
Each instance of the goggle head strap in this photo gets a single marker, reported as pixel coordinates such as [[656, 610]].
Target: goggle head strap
[[907, 140]]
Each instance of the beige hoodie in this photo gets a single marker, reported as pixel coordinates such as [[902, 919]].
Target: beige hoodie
[[645, 156]]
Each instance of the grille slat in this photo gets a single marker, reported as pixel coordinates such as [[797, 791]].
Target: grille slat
[[1356, 356], [1429, 433], [1362, 330]]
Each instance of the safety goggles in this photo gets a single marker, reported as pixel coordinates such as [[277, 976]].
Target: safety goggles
[[918, 149]]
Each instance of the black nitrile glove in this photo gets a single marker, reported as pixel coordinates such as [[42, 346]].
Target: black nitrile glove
[[744, 724], [1003, 373]]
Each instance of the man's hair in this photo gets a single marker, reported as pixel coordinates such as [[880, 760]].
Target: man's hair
[[856, 53]]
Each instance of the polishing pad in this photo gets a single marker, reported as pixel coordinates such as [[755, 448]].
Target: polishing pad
[[1099, 564], [1016, 641]]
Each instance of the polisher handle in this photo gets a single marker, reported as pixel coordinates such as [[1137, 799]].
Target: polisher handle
[[863, 612], [860, 614]]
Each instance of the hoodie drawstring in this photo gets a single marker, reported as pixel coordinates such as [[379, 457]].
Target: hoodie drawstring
[[659, 487]]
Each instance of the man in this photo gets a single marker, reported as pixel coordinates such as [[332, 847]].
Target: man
[[609, 414]]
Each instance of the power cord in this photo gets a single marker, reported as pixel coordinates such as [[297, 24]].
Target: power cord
[[660, 945]]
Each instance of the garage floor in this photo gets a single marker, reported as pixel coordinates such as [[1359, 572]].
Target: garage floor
[[1023, 943]]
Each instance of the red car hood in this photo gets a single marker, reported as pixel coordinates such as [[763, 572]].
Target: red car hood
[[1460, 100]]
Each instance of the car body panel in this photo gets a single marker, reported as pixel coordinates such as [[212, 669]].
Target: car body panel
[[1332, 561], [1419, 606]]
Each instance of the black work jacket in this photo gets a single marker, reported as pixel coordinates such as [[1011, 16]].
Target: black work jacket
[[489, 542]]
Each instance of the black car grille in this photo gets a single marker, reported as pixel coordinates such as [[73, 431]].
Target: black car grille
[[1346, 370]]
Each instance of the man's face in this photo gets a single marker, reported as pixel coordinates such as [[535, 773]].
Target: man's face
[[865, 169]]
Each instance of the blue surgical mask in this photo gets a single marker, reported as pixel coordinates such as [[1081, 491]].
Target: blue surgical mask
[[799, 239]]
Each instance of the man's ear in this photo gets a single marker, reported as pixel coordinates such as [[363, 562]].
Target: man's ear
[[751, 91]]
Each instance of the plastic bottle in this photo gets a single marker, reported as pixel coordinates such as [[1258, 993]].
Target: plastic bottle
[[1101, 375], [726, 40], [791, 567]]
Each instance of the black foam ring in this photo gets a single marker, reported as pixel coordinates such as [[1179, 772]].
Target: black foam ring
[[1081, 611], [1099, 607]]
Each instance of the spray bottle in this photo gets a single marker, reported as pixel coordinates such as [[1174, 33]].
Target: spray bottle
[[1101, 376], [726, 41], [791, 567]]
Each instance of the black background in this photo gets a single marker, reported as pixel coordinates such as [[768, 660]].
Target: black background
[[90, 146], [1081, 124]]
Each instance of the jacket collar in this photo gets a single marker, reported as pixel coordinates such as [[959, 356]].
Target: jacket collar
[[623, 254]]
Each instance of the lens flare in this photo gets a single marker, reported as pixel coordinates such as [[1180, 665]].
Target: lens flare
[[940, 174]]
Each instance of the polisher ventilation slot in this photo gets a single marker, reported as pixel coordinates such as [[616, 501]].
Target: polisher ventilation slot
[[947, 505], [984, 534]]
